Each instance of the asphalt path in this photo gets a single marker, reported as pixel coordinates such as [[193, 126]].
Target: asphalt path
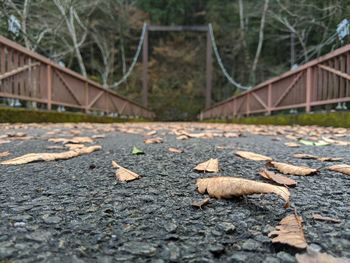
[[76, 211]]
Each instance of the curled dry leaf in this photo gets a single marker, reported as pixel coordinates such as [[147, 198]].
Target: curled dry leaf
[[175, 150], [289, 231], [228, 187], [304, 156], [72, 146], [201, 203], [123, 174], [341, 168], [153, 140], [75, 140], [199, 135], [253, 156], [210, 166], [4, 154], [35, 157], [336, 142], [292, 144], [98, 136], [280, 179], [293, 169], [313, 157], [325, 218], [316, 257]]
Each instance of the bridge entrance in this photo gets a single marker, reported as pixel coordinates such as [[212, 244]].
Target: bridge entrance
[[145, 52]]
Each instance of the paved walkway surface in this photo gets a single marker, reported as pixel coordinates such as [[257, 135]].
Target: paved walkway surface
[[76, 211]]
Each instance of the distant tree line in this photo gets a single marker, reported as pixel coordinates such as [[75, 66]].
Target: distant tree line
[[257, 39]]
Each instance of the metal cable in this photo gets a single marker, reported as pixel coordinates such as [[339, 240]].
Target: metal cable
[[222, 67], [134, 60]]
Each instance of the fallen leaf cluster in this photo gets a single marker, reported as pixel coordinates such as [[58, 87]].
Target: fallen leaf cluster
[[290, 229]]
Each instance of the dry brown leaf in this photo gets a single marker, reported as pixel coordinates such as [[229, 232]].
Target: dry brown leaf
[[341, 168], [98, 136], [123, 174], [72, 146], [253, 156], [291, 137], [325, 218], [4, 154], [305, 156], [75, 132], [313, 157], [182, 137], [16, 135], [316, 257], [231, 135], [293, 169], [175, 150], [201, 203], [210, 166], [290, 231], [35, 157], [75, 140], [4, 141], [330, 159], [199, 135], [292, 144], [228, 187], [280, 179], [336, 142], [151, 133], [153, 140]]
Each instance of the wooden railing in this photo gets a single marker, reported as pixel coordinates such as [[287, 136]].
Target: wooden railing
[[322, 81], [26, 75]]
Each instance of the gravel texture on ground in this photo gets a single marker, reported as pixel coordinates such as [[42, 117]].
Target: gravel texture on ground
[[76, 211]]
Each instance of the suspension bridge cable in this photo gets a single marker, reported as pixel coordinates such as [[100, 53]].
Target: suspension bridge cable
[[134, 60], [222, 67]]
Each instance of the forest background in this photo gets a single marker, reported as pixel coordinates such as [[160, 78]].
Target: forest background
[[257, 40]]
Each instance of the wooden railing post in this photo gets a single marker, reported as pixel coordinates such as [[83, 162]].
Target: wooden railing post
[[234, 108], [309, 84], [248, 106], [269, 99], [86, 98], [49, 87]]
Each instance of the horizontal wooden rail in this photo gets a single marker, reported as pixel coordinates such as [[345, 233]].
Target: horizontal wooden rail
[[26, 75], [322, 81]]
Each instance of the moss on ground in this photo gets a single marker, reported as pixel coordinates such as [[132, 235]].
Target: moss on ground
[[12, 115], [334, 119]]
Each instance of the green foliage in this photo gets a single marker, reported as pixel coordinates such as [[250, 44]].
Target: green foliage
[[331, 119], [137, 151], [11, 115]]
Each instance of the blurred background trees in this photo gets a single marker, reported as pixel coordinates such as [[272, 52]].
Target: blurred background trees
[[256, 39]]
